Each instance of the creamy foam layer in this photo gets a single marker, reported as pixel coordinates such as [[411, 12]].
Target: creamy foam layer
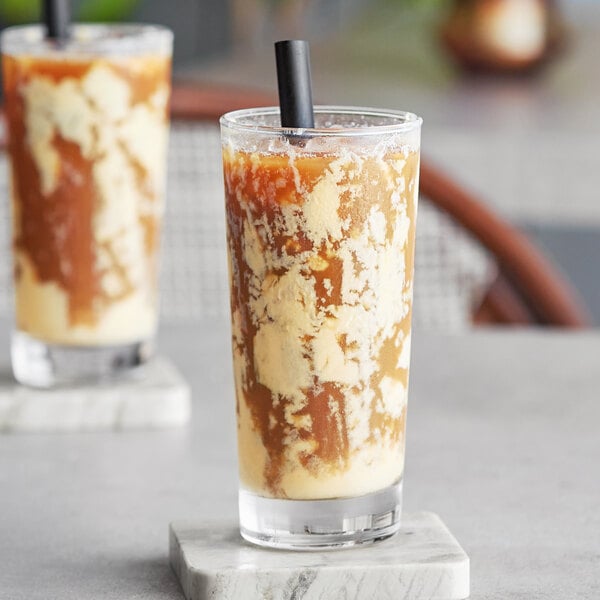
[[321, 257], [89, 148]]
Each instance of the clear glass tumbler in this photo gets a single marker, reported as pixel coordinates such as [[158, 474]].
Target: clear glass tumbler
[[88, 130], [321, 231]]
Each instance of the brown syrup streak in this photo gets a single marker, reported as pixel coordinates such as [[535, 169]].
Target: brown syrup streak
[[327, 409], [57, 229], [257, 188]]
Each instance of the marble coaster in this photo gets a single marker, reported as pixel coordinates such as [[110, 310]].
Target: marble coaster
[[423, 561], [159, 399]]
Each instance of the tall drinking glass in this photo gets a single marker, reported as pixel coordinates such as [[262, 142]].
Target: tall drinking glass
[[88, 129], [321, 230]]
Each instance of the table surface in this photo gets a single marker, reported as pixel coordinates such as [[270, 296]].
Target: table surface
[[502, 442]]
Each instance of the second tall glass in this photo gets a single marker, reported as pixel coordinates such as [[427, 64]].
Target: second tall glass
[[321, 230], [88, 129]]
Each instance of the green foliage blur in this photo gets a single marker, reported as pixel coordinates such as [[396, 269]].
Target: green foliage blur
[[15, 12], [19, 11]]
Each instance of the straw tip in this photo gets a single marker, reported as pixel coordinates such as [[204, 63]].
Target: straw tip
[[294, 42], [56, 15], [299, 49], [294, 83]]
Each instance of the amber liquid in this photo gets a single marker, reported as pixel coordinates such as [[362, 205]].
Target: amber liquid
[[310, 240], [57, 185]]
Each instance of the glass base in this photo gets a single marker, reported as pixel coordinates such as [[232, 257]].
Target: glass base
[[42, 365], [320, 524]]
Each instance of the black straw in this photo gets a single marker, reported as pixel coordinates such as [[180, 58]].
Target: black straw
[[293, 81], [57, 17]]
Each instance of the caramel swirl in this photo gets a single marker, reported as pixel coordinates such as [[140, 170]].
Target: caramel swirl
[[87, 141], [321, 263]]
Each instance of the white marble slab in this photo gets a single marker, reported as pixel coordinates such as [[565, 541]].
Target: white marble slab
[[161, 398], [422, 562]]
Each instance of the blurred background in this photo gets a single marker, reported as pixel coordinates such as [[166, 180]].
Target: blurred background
[[509, 91]]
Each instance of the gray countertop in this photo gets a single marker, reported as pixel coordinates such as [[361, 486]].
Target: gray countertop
[[503, 443]]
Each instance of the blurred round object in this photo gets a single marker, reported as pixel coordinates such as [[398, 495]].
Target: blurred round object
[[513, 29], [500, 35]]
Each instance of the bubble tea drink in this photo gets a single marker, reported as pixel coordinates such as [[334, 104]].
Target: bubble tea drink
[[321, 230], [88, 128]]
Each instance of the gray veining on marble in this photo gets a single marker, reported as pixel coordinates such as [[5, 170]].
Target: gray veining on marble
[[160, 399], [422, 562]]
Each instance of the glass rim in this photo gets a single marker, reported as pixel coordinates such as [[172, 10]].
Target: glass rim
[[131, 39], [401, 121]]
